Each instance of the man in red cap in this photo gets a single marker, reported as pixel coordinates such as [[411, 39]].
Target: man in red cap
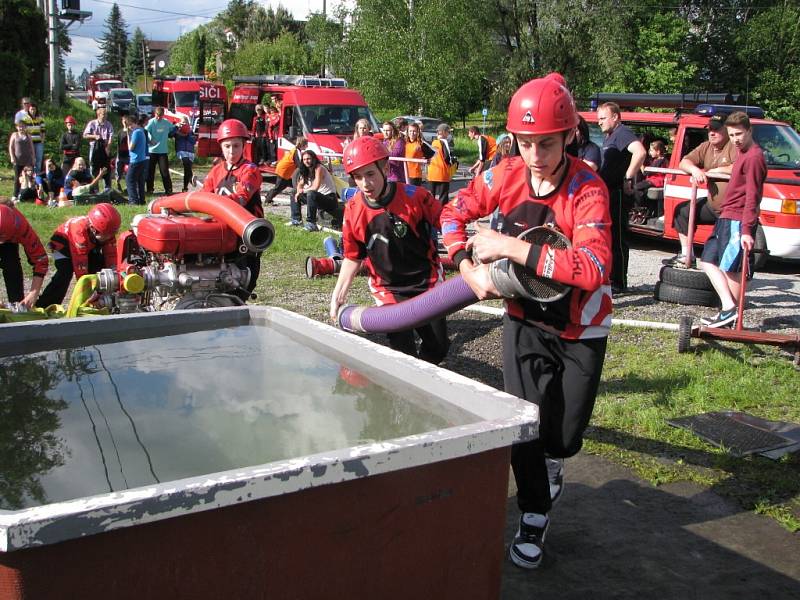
[[391, 226], [238, 178], [80, 246], [552, 352]]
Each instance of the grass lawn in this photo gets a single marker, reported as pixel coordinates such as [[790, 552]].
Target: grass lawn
[[645, 381]]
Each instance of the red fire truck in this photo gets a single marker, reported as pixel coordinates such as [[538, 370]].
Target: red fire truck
[[192, 99], [779, 221], [98, 85], [322, 109]]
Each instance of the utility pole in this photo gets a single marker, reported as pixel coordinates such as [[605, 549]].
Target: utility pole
[[144, 63], [55, 94]]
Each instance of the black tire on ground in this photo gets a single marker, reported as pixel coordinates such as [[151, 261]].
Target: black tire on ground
[[208, 301], [760, 243], [666, 292], [687, 278], [685, 334]]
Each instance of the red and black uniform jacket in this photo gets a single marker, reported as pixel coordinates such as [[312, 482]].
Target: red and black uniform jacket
[[274, 121], [34, 250], [397, 236], [242, 183], [578, 207], [260, 127], [73, 238]]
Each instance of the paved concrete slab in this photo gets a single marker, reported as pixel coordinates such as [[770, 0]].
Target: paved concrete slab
[[614, 536]]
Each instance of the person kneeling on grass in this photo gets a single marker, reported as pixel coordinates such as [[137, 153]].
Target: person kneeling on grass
[[315, 189], [736, 226], [81, 246], [392, 225]]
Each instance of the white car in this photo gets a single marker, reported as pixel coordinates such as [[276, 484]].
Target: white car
[[429, 125]]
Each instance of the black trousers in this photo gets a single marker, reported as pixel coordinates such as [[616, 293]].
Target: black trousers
[[187, 172], [280, 185], [433, 335], [560, 377], [56, 290], [441, 190], [620, 248], [12, 271], [163, 167], [252, 262], [703, 215], [316, 201]]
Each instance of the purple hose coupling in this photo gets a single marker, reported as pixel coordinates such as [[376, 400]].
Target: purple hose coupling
[[443, 299]]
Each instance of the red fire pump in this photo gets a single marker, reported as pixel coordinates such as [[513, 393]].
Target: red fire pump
[[172, 260]]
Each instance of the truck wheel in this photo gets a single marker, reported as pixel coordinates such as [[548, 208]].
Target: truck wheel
[[688, 278], [666, 292], [685, 334], [760, 243]]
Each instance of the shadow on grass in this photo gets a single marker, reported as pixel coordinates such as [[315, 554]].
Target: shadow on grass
[[750, 480]]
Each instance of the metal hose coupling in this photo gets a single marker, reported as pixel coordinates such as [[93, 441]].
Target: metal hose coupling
[[258, 235]]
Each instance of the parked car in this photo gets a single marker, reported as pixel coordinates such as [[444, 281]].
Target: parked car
[[120, 100], [429, 125], [144, 104]]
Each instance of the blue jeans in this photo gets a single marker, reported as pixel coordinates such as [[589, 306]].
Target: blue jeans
[[38, 148], [135, 179]]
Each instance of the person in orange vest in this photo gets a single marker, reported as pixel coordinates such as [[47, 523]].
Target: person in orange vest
[[416, 147], [439, 168], [81, 246], [285, 169], [15, 230], [487, 148]]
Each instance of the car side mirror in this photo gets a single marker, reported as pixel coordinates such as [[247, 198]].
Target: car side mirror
[[293, 132]]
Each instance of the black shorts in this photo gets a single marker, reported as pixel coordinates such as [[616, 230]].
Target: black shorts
[[724, 247]]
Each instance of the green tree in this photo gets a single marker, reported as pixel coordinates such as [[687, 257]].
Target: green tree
[[23, 51], [185, 53], [267, 24], [136, 64], [285, 55], [199, 43], [114, 43], [324, 39]]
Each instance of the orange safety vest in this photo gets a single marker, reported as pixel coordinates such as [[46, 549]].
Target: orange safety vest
[[414, 150], [286, 165], [439, 168], [491, 145]]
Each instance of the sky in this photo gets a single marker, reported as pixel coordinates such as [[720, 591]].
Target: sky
[[159, 20]]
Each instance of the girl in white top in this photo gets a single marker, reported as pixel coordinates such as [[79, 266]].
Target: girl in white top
[[316, 189]]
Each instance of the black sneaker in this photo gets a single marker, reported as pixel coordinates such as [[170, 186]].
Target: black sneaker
[[678, 262], [725, 318], [526, 549], [555, 474]]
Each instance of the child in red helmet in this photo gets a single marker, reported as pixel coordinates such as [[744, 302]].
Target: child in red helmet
[[80, 246], [15, 230], [393, 227], [552, 352], [237, 177], [70, 144]]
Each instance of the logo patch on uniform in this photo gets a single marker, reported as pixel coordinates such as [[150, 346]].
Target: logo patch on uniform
[[488, 178], [528, 118], [549, 263], [449, 227]]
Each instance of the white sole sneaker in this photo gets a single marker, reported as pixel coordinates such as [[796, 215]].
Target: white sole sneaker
[[527, 551]]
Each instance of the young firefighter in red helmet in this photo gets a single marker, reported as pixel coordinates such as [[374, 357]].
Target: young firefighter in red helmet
[[552, 352], [393, 225], [80, 246], [15, 230], [240, 179]]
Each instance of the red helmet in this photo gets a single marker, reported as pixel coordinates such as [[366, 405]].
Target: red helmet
[[69, 119], [104, 219], [363, 151], [232, 128], [8, 222], [542, 106]]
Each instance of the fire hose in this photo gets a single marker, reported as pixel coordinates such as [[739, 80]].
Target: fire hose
[[511, 280], [256, 233]]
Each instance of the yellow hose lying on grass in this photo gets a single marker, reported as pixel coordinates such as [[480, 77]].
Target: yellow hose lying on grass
[[78, 305]]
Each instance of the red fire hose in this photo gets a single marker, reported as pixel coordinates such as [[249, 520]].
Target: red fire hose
[[256, 233]]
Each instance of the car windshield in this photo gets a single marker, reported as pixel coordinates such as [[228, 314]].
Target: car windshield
[[104, 86], [335, 119], [123, 95], [187, 98], [144, 100], [780, 143]]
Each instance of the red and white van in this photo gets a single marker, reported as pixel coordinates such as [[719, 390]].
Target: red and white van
[[98, 86], [191, 98], [323, 110], [779, 220]]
